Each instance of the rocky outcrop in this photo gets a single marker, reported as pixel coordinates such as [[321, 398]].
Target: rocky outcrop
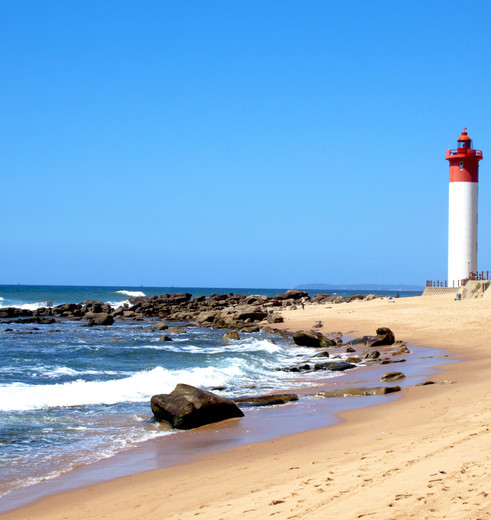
[[217, 310], [188, 407]]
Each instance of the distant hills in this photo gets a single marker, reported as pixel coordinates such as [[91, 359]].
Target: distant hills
[[359, 286]]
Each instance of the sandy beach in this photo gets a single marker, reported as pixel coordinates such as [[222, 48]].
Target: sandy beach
[[422, 456]]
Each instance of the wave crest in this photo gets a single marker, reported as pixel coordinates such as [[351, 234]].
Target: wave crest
[[131, 293]]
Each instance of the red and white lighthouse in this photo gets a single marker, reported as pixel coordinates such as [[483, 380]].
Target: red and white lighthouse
[[462, 216]]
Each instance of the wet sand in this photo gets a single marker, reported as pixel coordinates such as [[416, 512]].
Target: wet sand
[[422, 456]]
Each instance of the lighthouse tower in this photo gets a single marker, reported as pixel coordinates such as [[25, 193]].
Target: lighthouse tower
[[462, 220]]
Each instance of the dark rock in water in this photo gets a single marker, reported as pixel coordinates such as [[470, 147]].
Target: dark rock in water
[[14, 312], [371, 355], [40, 320], [353, 359], [324, 353], [364, 340], [355, 392], [160, 326], [389, 361], [188, 407], [334, 366], [392, 376], [350, 350], [265, 400], [401, 350], [99, 318], [312, 339], [229, 336], [299, 368], [165, 338]]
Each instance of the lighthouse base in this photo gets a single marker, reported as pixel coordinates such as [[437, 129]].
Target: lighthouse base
[[462, 232]]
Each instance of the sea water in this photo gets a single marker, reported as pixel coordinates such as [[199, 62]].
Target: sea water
[[71, 395]]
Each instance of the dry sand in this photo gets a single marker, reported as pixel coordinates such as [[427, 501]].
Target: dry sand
[[423, 456]]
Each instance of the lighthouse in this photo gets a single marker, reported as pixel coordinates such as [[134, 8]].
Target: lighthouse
[[462, 210]]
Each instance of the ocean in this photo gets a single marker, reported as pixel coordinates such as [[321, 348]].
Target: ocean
[[72, 395]]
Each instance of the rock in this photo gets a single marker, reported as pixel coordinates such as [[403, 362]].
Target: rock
[[266, 400], [274, 317], [164, 337], [371, 355], [229, 336], [312, 339], [334, 366], [299, 368], [401, 350], [350, 349], [100, 318], [317, 325], [354, 392], [353, 359], [324, 353], [354, 297], [392, 376], [384, 337], [188, 407], [293, 294], [207, 317], [160, 326], [364, 340]]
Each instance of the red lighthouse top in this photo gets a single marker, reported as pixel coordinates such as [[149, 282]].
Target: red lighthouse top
[[464, 161]]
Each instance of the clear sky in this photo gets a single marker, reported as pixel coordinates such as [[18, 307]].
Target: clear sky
[[237, 143]]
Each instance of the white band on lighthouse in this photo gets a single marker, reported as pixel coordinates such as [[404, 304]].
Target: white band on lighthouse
[[462, 231]]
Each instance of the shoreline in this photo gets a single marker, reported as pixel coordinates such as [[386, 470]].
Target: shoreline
[[258, 457]]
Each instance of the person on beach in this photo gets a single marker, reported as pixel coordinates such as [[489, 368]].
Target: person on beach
[[303, 304]]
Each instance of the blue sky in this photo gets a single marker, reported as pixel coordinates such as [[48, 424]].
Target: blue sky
[[236, 143]]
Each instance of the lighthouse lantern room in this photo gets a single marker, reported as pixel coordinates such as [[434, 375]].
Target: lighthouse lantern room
[[462, 220]]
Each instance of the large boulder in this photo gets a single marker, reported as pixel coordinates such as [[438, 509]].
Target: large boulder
[[312, 339], [188, 407], [384, 337]]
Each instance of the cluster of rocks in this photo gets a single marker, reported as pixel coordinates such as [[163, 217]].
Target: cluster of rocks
[[360, 349], [189, 407], [218, 310]]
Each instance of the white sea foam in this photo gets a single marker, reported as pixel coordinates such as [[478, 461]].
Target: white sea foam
[[136, 388], [132, 293], [30, 306], [124, 303]]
